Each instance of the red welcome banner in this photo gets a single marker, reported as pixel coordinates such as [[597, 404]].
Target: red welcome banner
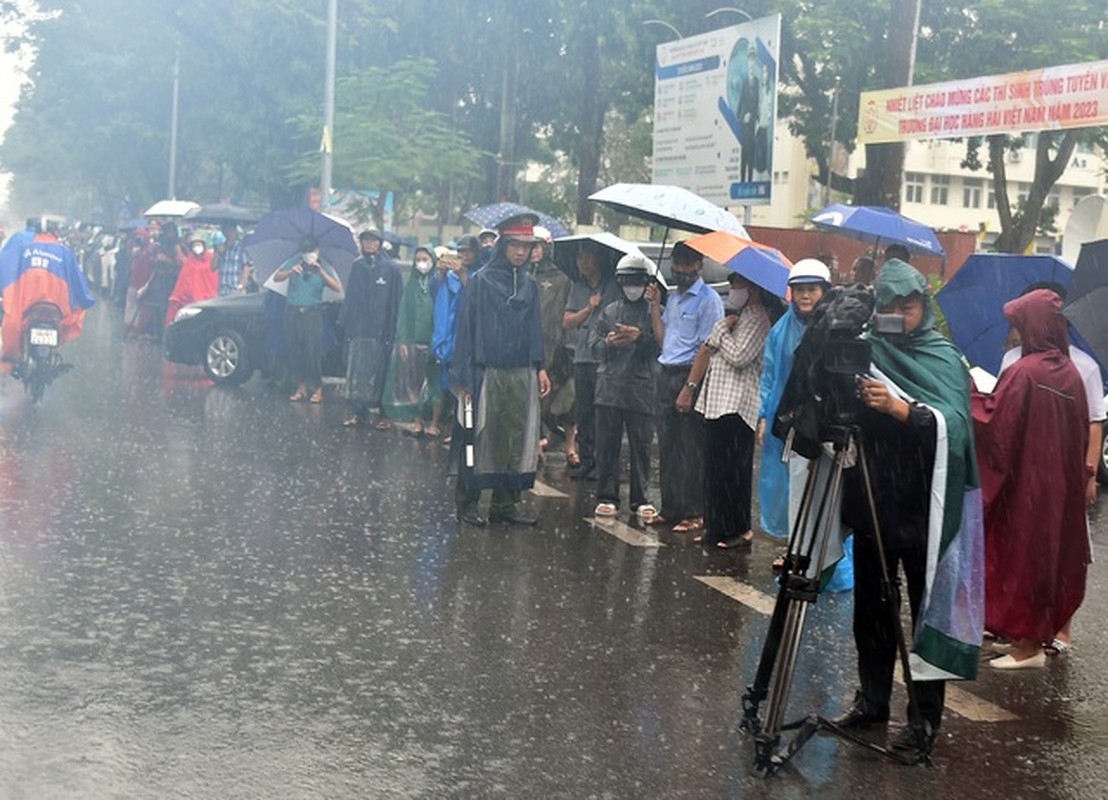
[[1073, 96]]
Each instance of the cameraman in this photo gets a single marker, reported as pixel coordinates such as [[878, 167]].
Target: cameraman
[[918, 415]]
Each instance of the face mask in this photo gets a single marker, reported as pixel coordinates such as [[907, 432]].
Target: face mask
[[198, 249], [311, 259], [738, 297], [634, 293], [684, 279], [423, 267]]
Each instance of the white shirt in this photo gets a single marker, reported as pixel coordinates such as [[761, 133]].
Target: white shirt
[[1087, 368]]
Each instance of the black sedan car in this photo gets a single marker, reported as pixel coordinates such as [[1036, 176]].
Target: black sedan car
[[231, 338], [228, 336]]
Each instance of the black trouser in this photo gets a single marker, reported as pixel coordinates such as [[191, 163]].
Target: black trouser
[[584, 406], [304, 339], [728, 471], [681, 450], [874, 634], [610, 424]]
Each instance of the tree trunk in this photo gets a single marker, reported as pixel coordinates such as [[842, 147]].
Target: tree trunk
[[880, 186], [590, 128], [1018, 229]]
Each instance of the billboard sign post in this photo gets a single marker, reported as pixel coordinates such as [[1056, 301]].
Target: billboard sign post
[[715, 108]]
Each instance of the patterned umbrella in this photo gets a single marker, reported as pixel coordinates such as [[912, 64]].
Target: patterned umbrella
[[758, 263], [492, 215], [170, 208], [669, 206]]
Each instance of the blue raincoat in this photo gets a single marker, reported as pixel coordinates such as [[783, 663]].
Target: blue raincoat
[[773, 486]]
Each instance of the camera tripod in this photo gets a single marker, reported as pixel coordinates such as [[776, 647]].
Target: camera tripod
[[816, 522]]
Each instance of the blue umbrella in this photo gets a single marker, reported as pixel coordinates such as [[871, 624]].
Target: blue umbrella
[[277, 238], [973, 300], [492, 215], [875, 225]]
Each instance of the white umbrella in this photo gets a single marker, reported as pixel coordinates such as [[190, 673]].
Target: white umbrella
[[171, 208], [669, 206]]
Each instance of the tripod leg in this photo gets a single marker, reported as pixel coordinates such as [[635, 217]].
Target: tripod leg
[[759, 689]]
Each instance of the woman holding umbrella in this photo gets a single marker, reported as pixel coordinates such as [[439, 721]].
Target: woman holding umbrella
[[307, 278]]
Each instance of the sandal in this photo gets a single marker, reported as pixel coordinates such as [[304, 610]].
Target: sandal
[[298, 396], [572, 459], [431, 432], [605, 510], [352, 422], [383, 425], [689, 525], [317, 396], [646, 513]]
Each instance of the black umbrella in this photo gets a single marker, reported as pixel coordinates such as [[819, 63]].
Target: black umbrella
[[276, 240], [567, 248], [1088, 297], [223, 213]]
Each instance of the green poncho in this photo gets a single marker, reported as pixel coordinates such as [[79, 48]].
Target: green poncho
[[925, 367]]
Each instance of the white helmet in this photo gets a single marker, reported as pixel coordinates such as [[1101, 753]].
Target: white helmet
[[809, 270], [543, 235], [635, 268]]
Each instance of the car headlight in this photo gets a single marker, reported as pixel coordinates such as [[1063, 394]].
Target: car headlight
[[188, 312]]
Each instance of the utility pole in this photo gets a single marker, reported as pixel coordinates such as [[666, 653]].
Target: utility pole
[[325, 144], [173, 123]]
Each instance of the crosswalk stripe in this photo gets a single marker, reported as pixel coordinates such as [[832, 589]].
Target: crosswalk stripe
[[961, 702], [624, 532], [543, 490]]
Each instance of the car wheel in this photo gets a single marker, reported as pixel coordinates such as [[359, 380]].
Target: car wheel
[[225, 359], [1102, 467]]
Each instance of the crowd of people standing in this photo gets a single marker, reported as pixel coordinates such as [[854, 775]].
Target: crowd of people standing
[[486, 343]]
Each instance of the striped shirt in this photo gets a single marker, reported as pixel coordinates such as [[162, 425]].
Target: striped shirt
[[731, 385]]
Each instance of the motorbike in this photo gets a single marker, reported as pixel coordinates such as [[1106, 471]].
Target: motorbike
[[41, 361]]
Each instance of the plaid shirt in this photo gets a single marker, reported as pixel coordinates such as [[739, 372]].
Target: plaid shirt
[[230, 267], [731, 385]]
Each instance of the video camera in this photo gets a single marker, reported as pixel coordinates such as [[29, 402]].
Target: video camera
[[821, 395]]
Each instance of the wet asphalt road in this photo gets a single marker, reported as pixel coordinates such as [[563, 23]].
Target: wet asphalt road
[[217, 593]]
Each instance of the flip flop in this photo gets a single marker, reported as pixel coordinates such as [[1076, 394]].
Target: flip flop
[[351, 422], [383, 425], [298, 396], [317, 397]]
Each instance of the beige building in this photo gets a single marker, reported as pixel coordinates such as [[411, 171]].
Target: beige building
[[936, 189]]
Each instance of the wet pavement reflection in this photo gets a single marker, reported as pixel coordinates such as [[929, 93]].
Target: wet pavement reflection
[[209, 592]]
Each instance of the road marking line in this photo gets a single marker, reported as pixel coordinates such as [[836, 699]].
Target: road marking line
[[961, 702], [743, 593], [624, 532], [542, 490]]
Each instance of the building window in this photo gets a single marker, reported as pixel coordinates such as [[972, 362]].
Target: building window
[[940, 190], [971, 192], [913, 187], [1054, 199], [992, 199]]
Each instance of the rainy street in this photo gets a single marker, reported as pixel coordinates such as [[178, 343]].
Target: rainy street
[[216, 593]]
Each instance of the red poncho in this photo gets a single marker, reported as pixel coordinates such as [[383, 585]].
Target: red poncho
[[1032, 434], [195, 282]]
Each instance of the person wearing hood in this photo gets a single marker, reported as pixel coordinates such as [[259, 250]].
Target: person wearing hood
[[916, 435], [498, 362], [197, 279], [368, 321], [1032, 440], [413, 391]]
